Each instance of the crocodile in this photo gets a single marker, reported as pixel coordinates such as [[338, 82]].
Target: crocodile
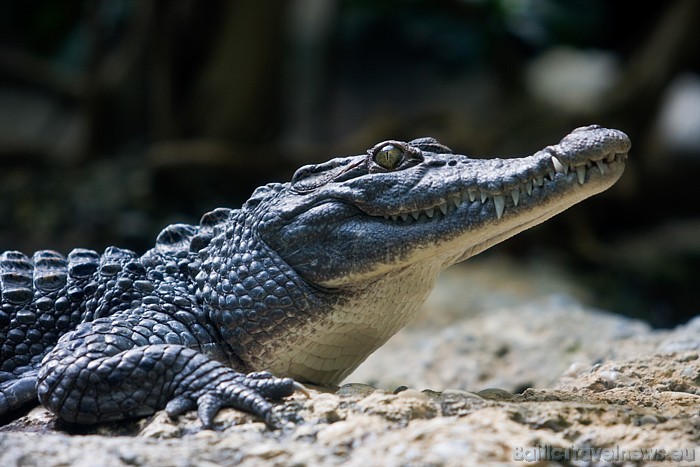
[[299, 285]]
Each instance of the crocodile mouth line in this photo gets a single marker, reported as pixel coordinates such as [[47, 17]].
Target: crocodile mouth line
[[443, 206]]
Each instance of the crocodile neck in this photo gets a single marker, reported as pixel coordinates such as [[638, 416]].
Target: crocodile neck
[[312, 334]]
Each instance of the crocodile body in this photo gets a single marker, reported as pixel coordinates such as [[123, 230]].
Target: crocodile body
[[302, 282]]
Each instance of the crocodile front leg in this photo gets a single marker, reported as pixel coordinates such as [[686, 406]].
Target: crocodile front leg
[[132, 364]]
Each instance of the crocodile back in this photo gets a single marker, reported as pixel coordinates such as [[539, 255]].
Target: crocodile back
[[40, 300], [47, 295]]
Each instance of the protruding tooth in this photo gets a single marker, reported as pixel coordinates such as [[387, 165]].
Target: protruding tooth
[[551, 175], [559, 167], [484, 196], [457, 200], [443, 208], [386, 216], [515, 194], [528, 187], [539, 180], [415, 214], [404, 216], [610, 158], [601, 166], [500, 202], [472, 194], [581, 172], [430, 212], [394, 217]]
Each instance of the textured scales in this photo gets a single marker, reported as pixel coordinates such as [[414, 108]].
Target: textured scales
[[305, 280]]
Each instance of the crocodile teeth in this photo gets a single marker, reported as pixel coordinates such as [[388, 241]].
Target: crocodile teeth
[[500, 202], [456, 199], [559, 167], [581, 172], [601, 166]]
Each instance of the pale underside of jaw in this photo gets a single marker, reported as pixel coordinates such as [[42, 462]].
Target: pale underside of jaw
[[474, 194]]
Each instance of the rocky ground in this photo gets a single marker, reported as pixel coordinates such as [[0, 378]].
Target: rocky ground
[[504, 365]]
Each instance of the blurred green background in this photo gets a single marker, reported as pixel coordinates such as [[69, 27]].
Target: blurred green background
[[118, 117]]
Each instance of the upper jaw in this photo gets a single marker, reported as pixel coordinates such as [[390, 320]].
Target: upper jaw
[[589, 160]]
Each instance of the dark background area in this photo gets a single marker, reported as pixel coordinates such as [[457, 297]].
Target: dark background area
[[118, 117]]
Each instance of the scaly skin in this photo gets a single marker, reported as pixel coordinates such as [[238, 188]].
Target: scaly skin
[[305, 280]]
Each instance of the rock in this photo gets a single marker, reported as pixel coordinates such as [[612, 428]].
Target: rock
[[352, 389], [495, 394], [580, 386]]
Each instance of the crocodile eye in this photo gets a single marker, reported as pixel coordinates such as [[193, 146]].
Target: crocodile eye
[[388, 156]]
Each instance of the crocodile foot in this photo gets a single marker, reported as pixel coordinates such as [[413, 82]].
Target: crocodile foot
[[225, 387]]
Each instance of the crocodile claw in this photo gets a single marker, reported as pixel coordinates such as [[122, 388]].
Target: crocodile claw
[[250, 393], [298, 387]]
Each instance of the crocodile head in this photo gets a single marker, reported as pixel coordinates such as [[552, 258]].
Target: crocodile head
[[348, 221], [375, 230]]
